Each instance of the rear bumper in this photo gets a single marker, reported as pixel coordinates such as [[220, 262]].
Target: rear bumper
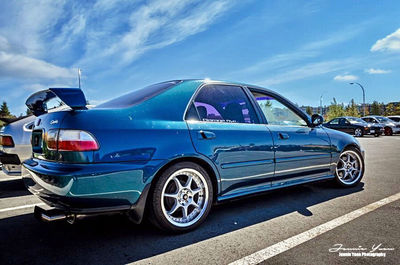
[[91, 188], [9, 159], [396, 130], [11, 164], [375, 130]]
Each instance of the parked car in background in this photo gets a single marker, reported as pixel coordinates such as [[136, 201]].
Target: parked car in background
[[15, 143], [177, 147], [355, 126], [395, 118], [390, 126]]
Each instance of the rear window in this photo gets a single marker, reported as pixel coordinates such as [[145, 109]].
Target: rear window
[[137, 96]]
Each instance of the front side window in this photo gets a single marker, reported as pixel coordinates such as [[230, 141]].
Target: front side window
[[223, 103], [334, 122], [276, 113], [355, 120]]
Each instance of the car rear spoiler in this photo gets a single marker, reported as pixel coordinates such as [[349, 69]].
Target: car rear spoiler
[[72, 97]]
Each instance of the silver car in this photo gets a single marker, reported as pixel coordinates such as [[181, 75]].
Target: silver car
[[15, 144], [389, 125], [395, 118]]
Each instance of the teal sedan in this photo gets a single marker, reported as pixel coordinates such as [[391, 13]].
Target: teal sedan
[[172, 150]]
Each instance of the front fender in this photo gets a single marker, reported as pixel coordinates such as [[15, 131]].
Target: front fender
[[341, 140]]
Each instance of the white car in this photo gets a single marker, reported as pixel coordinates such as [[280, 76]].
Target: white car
[[15, 144]]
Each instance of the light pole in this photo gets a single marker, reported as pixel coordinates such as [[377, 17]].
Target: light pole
[[352, 83], [320, 104]]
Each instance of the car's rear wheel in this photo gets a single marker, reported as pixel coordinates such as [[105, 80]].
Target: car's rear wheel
[[350, 168], [388, 131], [358, 132], [181, 198]]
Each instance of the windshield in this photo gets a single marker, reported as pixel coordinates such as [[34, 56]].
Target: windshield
[[355, 120], [137, 96], [383, 119]]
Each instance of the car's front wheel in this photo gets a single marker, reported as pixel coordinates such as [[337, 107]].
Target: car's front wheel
[[358, 132], [350, 168], [181, 198]]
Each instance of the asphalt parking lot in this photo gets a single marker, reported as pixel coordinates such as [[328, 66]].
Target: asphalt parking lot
[[233, 230]]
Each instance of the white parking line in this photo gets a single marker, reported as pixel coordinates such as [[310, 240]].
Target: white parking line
[[296, 240], [20, 207], [10, 178]]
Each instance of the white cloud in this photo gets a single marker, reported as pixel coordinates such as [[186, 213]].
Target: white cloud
[[153, 25], [20, 66], [309, 70], [390, 43], [373, 71], [346, 78], [309, 50], [29, 24]]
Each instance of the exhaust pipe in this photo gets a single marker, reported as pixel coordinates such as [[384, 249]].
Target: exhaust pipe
[[49, 215]]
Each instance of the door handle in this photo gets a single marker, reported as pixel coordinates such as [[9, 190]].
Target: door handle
[[206, 135], [283, 136]]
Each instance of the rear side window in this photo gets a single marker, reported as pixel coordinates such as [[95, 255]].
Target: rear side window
[[139, 95], [223, 103]]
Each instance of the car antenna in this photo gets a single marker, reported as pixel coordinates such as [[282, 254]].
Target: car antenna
[[79, 77]]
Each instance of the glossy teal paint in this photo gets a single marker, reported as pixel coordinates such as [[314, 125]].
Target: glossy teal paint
[[138, 142], [303, 150], [89, 185], [243, 154]]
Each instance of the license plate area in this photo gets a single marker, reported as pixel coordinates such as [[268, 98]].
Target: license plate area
[[37, 141]]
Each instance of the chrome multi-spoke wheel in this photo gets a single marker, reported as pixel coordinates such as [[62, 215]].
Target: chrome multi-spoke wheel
[[358, 132], [182, 197], [350, 168]]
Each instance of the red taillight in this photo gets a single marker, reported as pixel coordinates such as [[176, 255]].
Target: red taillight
[[76, 140], [6, 141], [70, 140]]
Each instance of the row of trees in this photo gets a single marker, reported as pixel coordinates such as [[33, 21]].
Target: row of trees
[[376, 108], [5, 112]]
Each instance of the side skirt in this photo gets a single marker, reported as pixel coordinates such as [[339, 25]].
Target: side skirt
[[268, 187]]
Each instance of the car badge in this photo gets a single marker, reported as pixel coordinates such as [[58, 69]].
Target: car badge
[[54, 122]]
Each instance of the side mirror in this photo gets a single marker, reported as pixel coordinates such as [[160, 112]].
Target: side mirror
[[317, 119]]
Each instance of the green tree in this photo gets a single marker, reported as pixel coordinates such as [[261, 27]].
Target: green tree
[[4, 111], [390, 109], [397, 110], [352, 109], [375, 108], [28, 112], [335, 110], [309, 110]]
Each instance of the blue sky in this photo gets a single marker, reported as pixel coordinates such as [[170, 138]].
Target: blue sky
[[302, 49]]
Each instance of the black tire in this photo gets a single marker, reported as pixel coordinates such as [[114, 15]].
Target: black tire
[[376, 134], [361, 134], [157, 216], [388, 131], [341, 183]]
